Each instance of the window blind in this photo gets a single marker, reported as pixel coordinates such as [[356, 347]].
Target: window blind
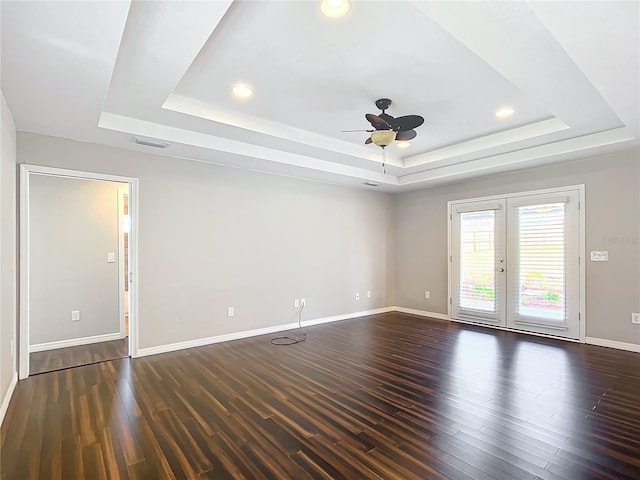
[[541, 289]]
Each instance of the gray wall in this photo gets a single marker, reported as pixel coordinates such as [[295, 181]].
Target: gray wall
[[612, 189], [8, 267], [212, 237], [73, 224]]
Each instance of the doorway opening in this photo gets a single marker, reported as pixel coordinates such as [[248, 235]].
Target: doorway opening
[[77, 268]]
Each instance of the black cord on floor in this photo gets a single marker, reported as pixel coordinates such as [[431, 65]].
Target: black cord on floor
[[285, 340]]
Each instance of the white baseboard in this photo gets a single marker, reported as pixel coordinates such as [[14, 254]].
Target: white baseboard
[[602, 342], [7, 396], [73, 342], [347, 316], [199, 342], [422, 313]]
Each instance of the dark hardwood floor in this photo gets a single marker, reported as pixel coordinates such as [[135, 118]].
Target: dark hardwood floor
[[60, 358], [391, 396]]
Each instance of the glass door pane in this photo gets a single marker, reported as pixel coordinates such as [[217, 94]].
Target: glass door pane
[[541, 269], [477, 261]]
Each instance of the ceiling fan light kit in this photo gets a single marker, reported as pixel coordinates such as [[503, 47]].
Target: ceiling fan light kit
[[383, 138]]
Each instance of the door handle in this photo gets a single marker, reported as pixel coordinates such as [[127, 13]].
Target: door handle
[[500, 269]]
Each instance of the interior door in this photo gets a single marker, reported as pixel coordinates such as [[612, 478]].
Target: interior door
[[478, 261], [515, 262]]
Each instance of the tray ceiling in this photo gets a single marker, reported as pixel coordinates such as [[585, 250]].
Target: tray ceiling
[[164, 71]]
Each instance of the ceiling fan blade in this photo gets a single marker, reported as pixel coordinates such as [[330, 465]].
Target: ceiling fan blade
[[403, 136], [408, 122], [361, 130], [388, 118], [368, 141], [377, 122]]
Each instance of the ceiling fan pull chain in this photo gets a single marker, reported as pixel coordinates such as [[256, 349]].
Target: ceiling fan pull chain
[[384, 161]]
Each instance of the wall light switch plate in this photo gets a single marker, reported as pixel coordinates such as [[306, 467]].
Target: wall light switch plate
[[368, 293], [357, 296], [75, 315], [111, 257], [599, 255], [427, 294], [635, 318], [231, 312]]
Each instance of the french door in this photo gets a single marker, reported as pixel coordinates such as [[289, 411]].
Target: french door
[[515, 262]]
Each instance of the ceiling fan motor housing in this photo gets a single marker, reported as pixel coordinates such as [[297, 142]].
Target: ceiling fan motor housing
[[383, 103]]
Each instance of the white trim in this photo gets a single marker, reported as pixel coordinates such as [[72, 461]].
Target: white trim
[[582, 218], [518, 159], [63, 172], [133, 267], [449, 258], [199, 342], [137, 127], [486, 142], [603, 342], [7, 396], [23, 356], [346, 316], [121, 270], [74, 342], [469, 207], [25, 171], [422, 313], [543, 191], [197, 108]]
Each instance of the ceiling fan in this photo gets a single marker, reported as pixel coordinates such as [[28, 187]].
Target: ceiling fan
[[387, 128]]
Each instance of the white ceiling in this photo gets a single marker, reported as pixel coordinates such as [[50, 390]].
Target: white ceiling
[[106, 72]]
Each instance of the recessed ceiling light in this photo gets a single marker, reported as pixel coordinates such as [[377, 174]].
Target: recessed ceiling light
[[242, 91], [335, 8], [404, 144], [505, 112]]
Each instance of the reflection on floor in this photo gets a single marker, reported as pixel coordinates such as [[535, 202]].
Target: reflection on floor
[[60, 358], [390, 396]]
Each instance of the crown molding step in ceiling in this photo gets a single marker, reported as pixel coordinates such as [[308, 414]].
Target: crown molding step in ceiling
[[283, 86]]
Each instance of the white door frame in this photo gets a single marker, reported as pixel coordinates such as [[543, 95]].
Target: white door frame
[[25, 173], [122, 192], [582, 252]]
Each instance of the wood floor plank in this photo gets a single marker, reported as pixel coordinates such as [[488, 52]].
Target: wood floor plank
[[61, 358], [391, 396]]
